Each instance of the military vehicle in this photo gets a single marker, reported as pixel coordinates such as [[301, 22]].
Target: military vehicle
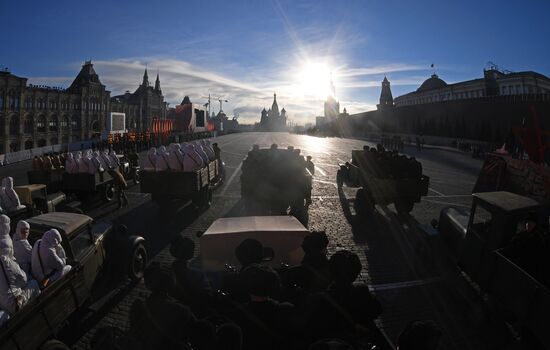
[[90, 248], [168, 186], [493, 246], [274, 181], [397, 180], [281, 236]]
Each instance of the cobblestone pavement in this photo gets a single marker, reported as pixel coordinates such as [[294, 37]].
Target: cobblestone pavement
[[405, 267]]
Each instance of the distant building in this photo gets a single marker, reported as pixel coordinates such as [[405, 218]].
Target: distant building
[[142, 106], [332, 106], [386, 98], [272, 119], [480, 109], [331, 109], [188, 117], [37, 115], [493, 83]]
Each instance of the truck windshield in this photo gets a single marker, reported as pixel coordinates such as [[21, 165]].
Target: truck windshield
[[482, 220]]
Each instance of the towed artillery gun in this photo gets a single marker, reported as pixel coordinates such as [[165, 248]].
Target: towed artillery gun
[[274, 180], [90, 247], [399, 181]]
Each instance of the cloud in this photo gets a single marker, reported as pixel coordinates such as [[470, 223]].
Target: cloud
[[382, 69], [247, 93]]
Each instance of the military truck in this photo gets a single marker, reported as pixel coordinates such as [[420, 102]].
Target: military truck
[[274, 181], [168, 186], [395, 180], [493, 246], [90, 248]]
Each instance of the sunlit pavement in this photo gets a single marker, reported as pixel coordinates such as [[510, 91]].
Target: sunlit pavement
[[404, 266]]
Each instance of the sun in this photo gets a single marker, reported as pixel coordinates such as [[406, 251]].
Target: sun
[[313, 79]]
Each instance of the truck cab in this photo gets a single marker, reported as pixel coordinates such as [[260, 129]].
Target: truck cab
[[505, 249], [494, 219]]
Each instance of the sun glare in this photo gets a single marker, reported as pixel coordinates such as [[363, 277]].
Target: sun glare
[[314, 80]]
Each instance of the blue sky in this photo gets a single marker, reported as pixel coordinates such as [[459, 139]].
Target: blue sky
[[246, 50]]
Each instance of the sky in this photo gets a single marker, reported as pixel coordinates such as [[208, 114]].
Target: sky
[[244, 51]]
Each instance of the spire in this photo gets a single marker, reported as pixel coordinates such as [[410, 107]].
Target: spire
[[145, 78], [275, 106], [157, 84], [332, 88], [386, 98]]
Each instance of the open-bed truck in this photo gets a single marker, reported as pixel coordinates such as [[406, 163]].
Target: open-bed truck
[[168, 186]]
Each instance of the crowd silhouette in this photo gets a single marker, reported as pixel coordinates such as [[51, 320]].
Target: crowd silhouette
[[316, 305]]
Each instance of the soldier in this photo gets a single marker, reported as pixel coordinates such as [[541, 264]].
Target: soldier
[[217, 150], [310, 166]]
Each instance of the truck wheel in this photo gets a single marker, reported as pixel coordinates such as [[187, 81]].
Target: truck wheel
[[203, 199], [109, 192], [404, 207], [138, 262], [136, 176], [340, 178], [363, 205]]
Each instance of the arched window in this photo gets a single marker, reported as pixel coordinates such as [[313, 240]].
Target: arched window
[[65, 139], [75, 122], [41, 124], [41, 143], [54, 141], [75, 137], [29, 144], [14, 147], [64, 122], [95, 127], [28, 103], [53, 123], [14, 125], [28, 125]]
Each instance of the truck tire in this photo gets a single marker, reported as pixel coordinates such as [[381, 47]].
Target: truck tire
[[340, 178], [108, 192], [203, 199], [136, 176], [138, 262], [364, 206], [404, 207]]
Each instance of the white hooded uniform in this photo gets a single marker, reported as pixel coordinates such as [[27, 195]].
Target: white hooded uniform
[[70, 164], [87, 163], [15, 288], [97, 163], [106, 160], [10, 199], [201, 152], [176, 158], [195, 160], [161, 162], [22, 249], [115, 162], [150, 160], [80, 163], [4, 317], [208, 149], [48, 257], [5, 238]]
